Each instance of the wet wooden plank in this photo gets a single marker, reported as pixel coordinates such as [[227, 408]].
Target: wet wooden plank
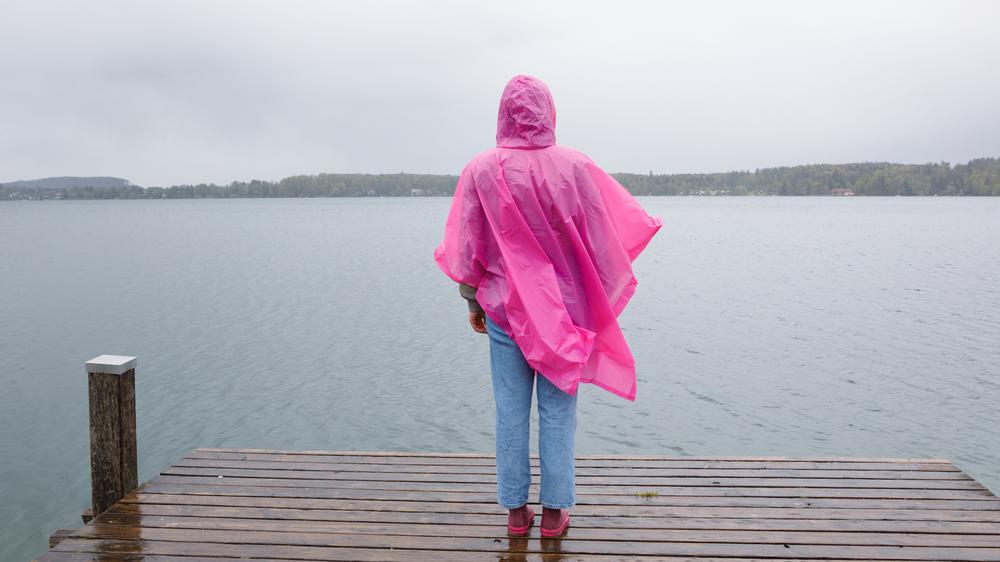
[[585, 490], [582, 480], [595, 499], [225, 504], [582, 462], [469, 530], [152, 551], [638, 510], [706, 472], [625, 458], [689, 521], [268, 544], [398, 555]]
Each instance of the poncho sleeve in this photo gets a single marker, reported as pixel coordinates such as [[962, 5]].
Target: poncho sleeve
[[461, 254], [634, 226]]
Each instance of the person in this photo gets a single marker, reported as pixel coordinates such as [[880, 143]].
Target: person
[[541, 241]]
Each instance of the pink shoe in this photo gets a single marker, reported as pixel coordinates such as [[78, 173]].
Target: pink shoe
[[523, 530], [561, 528]]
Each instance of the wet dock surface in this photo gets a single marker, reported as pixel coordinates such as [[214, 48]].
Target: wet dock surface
[[251, 504]]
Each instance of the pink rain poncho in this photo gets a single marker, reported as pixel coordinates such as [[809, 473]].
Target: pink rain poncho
[[548, 238]]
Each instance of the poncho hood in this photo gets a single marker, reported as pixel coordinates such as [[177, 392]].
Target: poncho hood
[[548, 238], [527, 116]]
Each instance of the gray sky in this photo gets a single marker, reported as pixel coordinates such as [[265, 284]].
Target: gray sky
[[166, 92]]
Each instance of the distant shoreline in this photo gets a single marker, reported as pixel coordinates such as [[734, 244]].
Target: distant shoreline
[[676, 196], [979, 177]]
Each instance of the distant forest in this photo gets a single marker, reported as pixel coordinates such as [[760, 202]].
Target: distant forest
[[980, 177]]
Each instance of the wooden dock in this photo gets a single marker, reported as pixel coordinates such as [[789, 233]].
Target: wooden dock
[[248, 504]]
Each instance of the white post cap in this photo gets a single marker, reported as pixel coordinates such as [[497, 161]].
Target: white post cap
[[111, 364]]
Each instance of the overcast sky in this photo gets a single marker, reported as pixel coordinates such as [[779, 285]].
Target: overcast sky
[[197, 91]]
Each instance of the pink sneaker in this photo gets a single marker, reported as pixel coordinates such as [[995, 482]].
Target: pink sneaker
[[520, 530], [559, 529]]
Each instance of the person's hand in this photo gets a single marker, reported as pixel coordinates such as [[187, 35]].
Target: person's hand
[[478, 321]]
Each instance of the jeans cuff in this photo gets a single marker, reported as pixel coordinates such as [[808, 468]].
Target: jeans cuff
[[558, 505], [514, 505]]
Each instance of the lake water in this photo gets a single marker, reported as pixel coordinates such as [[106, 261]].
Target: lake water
[[761, 326]]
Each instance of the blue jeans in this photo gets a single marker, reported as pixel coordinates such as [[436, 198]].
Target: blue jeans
[[513, 380]]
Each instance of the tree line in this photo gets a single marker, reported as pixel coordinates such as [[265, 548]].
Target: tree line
[[980, 177]]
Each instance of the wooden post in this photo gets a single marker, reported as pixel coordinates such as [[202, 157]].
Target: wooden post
[[114, 468]]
